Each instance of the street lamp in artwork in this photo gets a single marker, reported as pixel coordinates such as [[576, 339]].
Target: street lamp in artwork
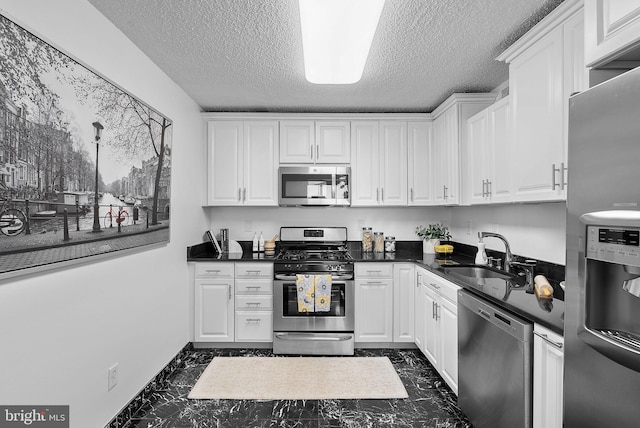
[[96, 208]]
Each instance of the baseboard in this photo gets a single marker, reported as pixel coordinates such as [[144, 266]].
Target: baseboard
[[159, 381]]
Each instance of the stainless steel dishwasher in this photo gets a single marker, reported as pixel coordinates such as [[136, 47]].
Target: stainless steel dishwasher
[[494, 365]]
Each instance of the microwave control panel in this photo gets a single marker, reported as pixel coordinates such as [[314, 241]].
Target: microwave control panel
[[613, 244]]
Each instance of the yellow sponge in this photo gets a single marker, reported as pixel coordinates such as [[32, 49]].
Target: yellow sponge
[[443, 249]]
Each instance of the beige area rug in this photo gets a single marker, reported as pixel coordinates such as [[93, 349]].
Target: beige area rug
[[299, 378]]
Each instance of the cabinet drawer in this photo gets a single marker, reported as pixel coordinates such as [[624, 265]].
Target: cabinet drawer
[[373, 270], [254, 303], [449, 290], [254, 286], [254, 270], [254, 326], [214, 269]]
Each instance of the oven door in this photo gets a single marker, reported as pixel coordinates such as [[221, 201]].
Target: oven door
[[287, 318]]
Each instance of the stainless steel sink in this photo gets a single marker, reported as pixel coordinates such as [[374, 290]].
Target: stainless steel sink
[[478, 272]]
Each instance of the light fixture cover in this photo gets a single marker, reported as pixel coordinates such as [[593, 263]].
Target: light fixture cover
[[336, 38]]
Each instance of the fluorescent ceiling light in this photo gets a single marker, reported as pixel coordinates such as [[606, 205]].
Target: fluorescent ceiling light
[[336, 38]]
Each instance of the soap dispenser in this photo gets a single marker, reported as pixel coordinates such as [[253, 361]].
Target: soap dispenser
[[481, 255], [255, 243]]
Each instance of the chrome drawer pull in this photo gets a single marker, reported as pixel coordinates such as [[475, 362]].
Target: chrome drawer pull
[[544, 337]]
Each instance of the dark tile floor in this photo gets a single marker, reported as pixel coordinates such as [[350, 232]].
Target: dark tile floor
[[430, 404]]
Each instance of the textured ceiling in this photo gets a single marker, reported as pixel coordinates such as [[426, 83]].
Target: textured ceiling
[[246, 55]]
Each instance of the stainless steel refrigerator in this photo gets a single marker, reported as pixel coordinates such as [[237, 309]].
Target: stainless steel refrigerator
[[602, 319]]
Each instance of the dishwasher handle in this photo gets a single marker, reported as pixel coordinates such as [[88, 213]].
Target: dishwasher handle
[[517, 327]]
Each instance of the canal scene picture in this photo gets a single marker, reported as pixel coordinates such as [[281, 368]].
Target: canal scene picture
[[85, 167]]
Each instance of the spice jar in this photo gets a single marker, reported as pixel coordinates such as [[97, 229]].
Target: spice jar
[[390, 244], [367, 240], [378, 242]]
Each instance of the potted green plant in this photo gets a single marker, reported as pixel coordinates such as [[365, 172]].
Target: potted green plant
[[432, 235]]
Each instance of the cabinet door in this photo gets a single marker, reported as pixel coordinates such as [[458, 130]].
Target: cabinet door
[[214, 310], [445, 158], [431, 328], [548, 361], [261, 163], [499, 151], [403, 302], [537, 100], [374, 310], [364, 163], [420, 161], [297, 141], [419, 310], [225, 163], [393, 163], [612, 29], [333, 142], [479, 161], [448, 318]]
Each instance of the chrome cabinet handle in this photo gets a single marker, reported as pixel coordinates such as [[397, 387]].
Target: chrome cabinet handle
[[212, 270], [411, 193], [230, 292], [382, 193], [544, 337], [433, 310], [312, 152], [563, 183], [488, 188], [317, 151], [437, 312], [239, 194], [377, 194], [445, 192], [244, 194], [419, 280], [484, 188], [434, 285], [253, 320], [553, 176]]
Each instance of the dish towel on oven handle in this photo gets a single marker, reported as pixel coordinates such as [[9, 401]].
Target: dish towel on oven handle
[[314, 293], [323, 293], [305, 285]]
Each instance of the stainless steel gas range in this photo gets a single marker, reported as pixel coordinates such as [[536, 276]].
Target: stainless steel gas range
[[313, 292]]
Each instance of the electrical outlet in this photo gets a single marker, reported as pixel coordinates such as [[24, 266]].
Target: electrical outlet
[[469, 227], [113, 376], [248, 226]]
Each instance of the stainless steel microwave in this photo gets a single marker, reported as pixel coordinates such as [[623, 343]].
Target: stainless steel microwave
[[314, 185]]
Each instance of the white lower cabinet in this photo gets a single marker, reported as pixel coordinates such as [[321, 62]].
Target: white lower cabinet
[[436, 320], [374, 302], [254, 302], [214, 304], [548, 360], [233, 302], [403, 302]]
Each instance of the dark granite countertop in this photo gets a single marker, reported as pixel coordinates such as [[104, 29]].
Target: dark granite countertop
[[505, 294]]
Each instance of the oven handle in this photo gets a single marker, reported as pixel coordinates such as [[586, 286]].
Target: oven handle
[[312, 337], [283, 277]]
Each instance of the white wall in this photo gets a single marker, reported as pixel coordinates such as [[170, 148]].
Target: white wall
[[398, 222], [533, 230], [61, 330]]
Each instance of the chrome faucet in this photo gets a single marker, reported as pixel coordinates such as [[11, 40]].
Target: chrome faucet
[[508, 258]]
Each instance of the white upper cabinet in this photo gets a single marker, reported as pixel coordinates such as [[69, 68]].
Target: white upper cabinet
[[379, 163], [242, 163], [545, 67], [488, 155], [308, 141], [420, 162], [612, 30], [449, 135]]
